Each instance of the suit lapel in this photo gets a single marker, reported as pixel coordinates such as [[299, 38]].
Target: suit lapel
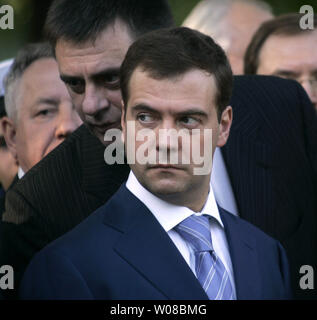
[[146, 247], [243, 254]]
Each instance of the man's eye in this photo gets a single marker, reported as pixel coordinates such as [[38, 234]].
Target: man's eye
[[112, 81], [76, 86], [45, 112], [189, 121], [112, 78], [145, 118]]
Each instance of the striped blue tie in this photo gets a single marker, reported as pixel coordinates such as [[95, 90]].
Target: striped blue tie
[[210, 271]]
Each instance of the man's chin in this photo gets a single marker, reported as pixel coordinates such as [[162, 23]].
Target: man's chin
[[165, 189]]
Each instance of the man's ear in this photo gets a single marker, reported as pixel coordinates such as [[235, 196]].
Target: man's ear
[[224, 126], [9, 133], [123, 121]]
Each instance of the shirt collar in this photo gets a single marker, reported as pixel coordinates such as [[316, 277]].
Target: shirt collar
[[167, 214], [21, 173]]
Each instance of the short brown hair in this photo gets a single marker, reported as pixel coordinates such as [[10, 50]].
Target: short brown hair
[[82, 20], [285, 25], [171, 52]]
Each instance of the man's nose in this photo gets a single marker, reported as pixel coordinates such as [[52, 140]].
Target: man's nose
[[67, 122], [94, 101], [166, 136]]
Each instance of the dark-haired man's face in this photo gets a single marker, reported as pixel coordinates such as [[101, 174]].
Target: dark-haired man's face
[[90, 71], [183, 105]]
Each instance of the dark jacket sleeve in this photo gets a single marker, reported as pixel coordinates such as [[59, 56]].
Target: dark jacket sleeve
[[309, 123], [52, 276], [20, 239]]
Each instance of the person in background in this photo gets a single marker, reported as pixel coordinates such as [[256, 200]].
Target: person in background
[[8, 165], [231, 23], [40, 113], [282, 48]]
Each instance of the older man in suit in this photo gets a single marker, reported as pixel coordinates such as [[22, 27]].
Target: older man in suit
[[40, 113], [162, 236]]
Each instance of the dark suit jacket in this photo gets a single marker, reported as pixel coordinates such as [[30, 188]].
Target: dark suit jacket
[[3, 194], [122, 252], [2, 197], [54, 196], [271, 157]]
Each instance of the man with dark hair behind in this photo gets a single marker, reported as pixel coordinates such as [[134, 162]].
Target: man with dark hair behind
[[90, 39], [282, 48], [162, 236]]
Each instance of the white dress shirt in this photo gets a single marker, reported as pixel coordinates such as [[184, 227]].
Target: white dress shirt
[[20, 173], [221, 185], [169, 216], [4, 68]]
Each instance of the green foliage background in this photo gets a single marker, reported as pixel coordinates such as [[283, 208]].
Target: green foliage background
[[30, 14]]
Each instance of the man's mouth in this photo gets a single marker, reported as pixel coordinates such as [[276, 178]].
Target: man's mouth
[[165, 166]]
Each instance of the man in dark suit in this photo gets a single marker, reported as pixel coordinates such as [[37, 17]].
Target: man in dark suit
[[161, 236], [272, 117], [74, 181]]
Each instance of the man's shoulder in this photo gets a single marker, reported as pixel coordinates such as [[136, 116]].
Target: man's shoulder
[[90, 235], [65, 160], [265, 94], [57, 178], [69, 150], [245, 228]]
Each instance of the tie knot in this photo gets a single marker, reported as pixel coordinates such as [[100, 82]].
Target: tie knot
[[196, 230]]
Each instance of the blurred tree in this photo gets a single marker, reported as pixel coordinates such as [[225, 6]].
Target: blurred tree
[[29, 17], [181, 8]]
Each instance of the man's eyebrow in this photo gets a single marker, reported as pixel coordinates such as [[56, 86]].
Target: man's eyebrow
[[50, 101], [286, 73], [193, 112], [143, 107], [67, 79], [188, 112], [107, 72], [103, 73]]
